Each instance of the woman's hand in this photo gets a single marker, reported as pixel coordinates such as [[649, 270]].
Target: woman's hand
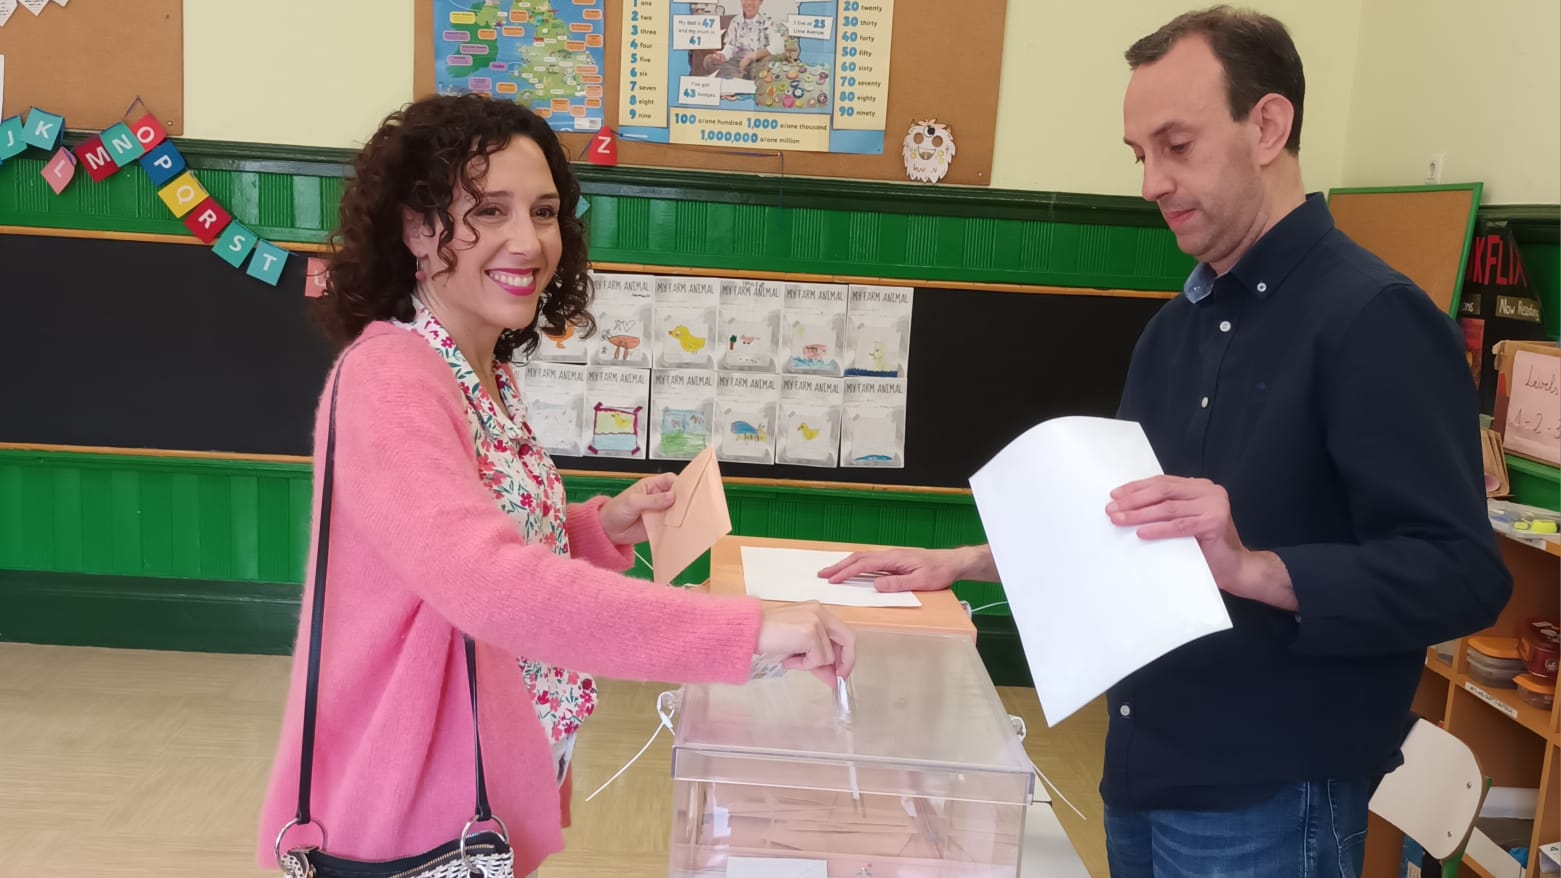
[[810, 638], [622, 516]]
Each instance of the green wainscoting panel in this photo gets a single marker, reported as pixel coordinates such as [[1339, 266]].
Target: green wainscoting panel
[[97, 548], [682, 218], [130, 612], [159, 517]]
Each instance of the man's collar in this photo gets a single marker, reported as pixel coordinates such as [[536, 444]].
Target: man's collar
[[1271, 259]]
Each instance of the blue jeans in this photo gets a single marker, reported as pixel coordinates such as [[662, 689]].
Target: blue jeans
[[1307, 830]]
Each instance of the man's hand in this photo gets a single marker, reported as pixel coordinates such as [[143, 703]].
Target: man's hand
[[621, 516], [747, 61], [913, 569], [1169, 506]]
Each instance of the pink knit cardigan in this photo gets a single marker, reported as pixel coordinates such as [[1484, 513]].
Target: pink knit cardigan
[[419, 553]]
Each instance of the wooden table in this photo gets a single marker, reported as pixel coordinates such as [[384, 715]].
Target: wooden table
[[940, 611]]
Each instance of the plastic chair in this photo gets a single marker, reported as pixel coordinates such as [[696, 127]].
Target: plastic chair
[[1435, 796]]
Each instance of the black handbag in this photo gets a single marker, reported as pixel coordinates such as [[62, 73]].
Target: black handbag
[[471, 855]]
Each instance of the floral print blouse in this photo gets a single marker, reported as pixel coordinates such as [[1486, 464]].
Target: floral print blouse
[[527, 487]]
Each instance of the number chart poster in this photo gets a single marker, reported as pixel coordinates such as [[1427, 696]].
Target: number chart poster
[[544, 54], [808, 75]]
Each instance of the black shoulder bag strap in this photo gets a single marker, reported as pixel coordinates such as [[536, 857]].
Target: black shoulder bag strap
[[317, 625]]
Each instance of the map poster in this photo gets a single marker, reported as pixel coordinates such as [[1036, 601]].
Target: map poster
[[544, 54], [807, 75]]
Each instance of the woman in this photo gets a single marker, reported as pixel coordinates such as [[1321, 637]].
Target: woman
[[458, 238]]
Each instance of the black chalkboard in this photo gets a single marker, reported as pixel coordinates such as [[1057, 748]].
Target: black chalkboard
[[151, 345], [130, 344]]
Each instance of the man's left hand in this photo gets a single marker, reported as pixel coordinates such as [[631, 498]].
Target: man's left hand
[[1170, 506]]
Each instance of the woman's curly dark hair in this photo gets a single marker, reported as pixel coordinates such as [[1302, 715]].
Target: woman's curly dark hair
[[416, 159]]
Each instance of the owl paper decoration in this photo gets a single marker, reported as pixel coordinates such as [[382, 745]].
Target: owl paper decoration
[[929, 147]]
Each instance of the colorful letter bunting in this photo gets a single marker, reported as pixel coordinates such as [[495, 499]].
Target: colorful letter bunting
[[144, 142]]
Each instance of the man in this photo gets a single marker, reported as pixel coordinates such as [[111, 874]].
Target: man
[[751, 38], [1318, 427]]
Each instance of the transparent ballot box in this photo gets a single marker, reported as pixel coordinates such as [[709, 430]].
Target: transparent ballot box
[[917, 773]]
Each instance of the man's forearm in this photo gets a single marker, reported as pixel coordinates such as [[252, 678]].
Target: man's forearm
[[976, 564]]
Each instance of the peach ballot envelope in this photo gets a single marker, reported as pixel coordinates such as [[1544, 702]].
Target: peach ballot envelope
[[697, 519]]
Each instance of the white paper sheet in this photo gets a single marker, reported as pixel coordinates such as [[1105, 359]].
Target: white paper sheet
[[1093, 602], [775, 867], [792, 575]]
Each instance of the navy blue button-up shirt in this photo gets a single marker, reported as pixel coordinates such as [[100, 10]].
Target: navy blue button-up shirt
[[1331, 399]]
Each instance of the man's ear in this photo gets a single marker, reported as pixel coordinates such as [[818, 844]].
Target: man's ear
[[1274, 116], [416, 233]]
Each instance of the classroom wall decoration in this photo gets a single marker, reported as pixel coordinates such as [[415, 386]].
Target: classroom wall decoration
[[617, 407], [140, 139], [878, 332], [36, 7], [682, 413], [750, 325], [808, 432], [754, 368], [874, 423], [686, 322], [89, 59], [810, 75], [813, 333], [554, 394], [928, 149], [544, 54], [623, 318], [824, 102]]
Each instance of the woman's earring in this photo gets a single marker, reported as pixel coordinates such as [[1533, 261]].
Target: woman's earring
[[420, 274]]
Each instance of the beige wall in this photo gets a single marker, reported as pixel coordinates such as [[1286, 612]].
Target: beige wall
[[1388, 83], [307, 72], [1059, 123], [1479, 83]]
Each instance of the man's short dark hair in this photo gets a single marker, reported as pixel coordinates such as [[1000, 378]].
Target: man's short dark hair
[[1255, 50]]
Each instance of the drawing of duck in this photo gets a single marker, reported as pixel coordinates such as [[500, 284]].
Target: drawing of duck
[[808, 433], [690, 342]]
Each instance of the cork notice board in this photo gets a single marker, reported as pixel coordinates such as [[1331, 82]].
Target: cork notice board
[[946, 64], [1422, 231], [88, 61]]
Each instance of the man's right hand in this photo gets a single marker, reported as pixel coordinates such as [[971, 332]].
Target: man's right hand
[[915, 569]]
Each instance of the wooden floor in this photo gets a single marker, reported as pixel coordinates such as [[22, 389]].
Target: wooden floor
[[121, 763]]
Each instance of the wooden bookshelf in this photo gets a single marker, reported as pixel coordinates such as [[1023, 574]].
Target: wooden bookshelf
[[1517, 744]]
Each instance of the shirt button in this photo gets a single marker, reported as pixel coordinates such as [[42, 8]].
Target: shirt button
[[1205, 403], [1262, 287], [1125, 710], [1224, 326]]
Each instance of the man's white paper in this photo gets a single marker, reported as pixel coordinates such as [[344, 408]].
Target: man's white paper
[[1093, 602], [792, 575]]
